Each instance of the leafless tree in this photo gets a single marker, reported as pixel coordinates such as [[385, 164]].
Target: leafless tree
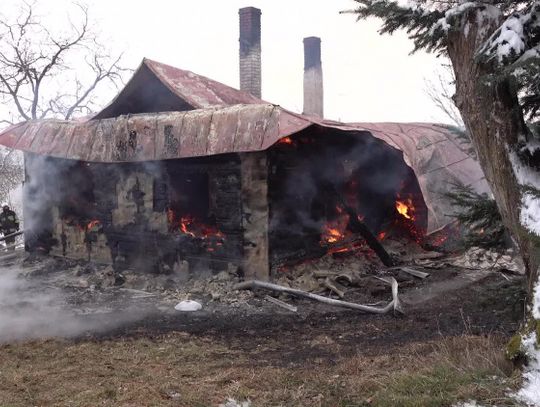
[[441, 91], [52, 73], [48, 70]]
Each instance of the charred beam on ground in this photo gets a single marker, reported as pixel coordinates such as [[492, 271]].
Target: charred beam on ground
[[357, 226]]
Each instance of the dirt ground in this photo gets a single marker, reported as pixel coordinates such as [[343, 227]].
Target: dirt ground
[[492, 305], [448, 347]]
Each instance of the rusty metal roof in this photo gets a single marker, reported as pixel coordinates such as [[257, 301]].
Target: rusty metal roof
[[430, 150], [209, 118], [157, 136], [185, 91]]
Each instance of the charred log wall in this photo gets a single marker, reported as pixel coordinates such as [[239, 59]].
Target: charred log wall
[[122, 213]]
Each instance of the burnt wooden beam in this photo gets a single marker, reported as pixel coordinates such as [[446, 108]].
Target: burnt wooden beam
[[357, 226], [360, 227], [255, 215]]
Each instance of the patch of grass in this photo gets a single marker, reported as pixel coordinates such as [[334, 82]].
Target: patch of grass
[[435, 387], [461, 369], [180, 370]]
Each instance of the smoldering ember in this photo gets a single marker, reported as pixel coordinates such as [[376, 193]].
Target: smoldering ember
[[193, 244]]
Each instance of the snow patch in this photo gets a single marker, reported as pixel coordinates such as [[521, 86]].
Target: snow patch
[[529, 54], [519, 72], [532, 146], [234, 403], [530, 203], [483, 21], [530, 392], [511, 38], [525, 174], [470, 403], [530, 213], [536, 300], [444, 23]]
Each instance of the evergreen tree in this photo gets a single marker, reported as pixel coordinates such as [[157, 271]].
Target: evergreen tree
[[479, 217], [494, 49]]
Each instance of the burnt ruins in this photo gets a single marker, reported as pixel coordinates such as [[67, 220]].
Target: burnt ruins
[[253, 209], [183, 171]]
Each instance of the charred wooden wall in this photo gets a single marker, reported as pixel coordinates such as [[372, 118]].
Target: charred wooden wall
[[125, 221]]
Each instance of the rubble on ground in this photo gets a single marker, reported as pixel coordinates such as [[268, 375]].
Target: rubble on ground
[[483, 259], [352, 276]]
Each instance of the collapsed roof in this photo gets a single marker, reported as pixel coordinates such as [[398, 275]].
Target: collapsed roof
[[166, 113], [157, 87]]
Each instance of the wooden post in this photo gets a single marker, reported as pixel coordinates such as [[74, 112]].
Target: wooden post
[[255, 215]]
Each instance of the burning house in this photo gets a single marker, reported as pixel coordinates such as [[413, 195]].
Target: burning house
[[182, 170]]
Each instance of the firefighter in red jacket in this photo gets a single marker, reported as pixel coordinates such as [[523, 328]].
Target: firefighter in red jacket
[[9, 224]]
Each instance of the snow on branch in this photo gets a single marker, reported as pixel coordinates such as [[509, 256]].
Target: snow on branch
[[517, 38], [452, 17], [415, 20]]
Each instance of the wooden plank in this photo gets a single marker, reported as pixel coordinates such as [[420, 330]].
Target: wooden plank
[[255, 211]]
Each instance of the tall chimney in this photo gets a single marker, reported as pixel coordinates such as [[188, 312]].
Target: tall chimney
[[313, 78], [250, 50]]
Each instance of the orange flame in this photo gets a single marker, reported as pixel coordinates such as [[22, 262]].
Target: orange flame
[[89, 227], [185, 222], [335, 230], [190, 226], [333, 235], [285, 140], [405, 209], [92, 224]]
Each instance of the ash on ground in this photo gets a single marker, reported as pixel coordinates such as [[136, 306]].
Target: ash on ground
[[46, 296]]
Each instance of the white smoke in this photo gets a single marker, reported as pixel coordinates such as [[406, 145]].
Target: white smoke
[[39, 306], [28, 311]]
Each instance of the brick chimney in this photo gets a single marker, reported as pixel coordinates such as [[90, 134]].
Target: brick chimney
[[313, 78], [250, 50]]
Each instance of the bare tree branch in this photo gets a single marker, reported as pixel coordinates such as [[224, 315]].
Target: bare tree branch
[[48, 72], [35, 62], [441, 92], [5, 121]]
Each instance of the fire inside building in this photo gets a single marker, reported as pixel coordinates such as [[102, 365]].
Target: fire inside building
[[181, 168]]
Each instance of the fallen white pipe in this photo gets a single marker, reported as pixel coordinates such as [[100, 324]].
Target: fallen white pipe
[[394, 305]]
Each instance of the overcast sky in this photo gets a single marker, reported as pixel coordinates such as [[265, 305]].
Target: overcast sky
[[367, 77]]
